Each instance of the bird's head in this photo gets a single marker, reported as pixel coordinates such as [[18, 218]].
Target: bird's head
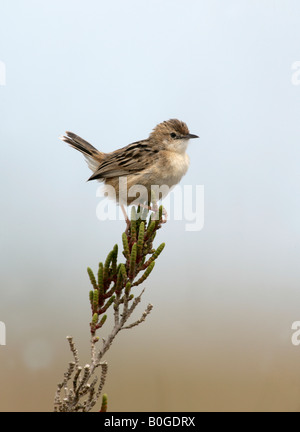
[[173, 135]]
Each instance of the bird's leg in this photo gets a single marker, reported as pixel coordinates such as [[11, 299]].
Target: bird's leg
[[126, 218], [155, 209], [165, 214]]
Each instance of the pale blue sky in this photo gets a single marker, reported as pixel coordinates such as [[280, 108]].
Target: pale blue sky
[[110, 71]]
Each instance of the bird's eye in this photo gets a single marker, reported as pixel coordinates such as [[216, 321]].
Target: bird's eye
[[173, 135]]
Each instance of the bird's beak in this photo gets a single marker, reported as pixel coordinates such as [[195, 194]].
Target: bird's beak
[[189, 136]]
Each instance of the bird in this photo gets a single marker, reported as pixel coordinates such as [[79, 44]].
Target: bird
[[159, 160]]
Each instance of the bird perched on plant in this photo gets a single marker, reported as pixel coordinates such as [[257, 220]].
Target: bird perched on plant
[[159, 160]]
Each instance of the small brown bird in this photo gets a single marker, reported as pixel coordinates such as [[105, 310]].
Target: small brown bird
[[159, 160]]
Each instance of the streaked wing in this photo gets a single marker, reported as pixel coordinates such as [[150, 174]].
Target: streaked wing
[[131, 159]]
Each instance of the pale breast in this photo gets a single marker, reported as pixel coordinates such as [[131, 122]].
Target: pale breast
[[175, 168], [168, 170]]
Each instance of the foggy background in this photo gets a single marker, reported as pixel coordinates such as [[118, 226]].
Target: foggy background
[[225, 297]]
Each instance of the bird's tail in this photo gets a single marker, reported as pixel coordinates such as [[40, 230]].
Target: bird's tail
[[93, 156]]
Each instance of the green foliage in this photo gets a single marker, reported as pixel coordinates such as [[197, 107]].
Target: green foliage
[[104, 403], [115, 281]]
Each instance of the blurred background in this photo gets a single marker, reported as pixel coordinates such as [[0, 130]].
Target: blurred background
[[225, 297]]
